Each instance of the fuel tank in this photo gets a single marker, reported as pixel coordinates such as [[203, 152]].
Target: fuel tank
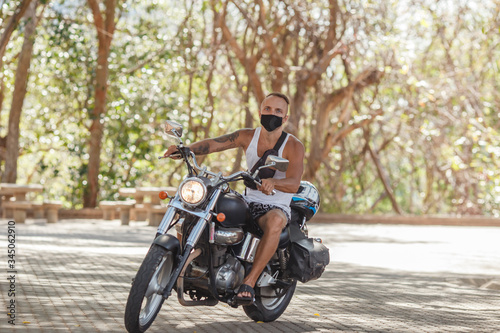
[[235, 208]]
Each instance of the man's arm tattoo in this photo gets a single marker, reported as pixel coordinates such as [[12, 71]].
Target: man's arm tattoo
[[228, 137], [202, 149]]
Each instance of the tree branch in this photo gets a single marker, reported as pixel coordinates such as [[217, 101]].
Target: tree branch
[[382, 174]]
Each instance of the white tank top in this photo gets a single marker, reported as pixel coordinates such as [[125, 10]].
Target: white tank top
[[281, 199]]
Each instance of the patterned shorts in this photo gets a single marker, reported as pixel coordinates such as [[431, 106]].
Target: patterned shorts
[[258, 209]]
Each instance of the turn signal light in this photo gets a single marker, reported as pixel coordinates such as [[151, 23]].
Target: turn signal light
[[221, 217], [163, 195]]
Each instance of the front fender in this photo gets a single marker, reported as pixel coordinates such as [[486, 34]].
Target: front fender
[[169, 243]]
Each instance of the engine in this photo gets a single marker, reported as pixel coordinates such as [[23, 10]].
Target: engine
[[228, 275], [228, 271]]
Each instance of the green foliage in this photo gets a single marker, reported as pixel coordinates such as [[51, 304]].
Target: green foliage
[[437, 137]]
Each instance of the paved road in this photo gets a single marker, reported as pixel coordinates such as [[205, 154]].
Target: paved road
[[74, 276]]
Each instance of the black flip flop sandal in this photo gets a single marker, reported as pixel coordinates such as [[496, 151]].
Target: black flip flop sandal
[[241, 300]]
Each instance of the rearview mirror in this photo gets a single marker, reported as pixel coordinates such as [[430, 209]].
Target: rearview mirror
[[173, 128], [279, 163]]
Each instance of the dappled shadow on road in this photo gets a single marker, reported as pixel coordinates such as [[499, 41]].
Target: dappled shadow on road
[[233, 326], [69, 289], [346, 298], [90, 232], [411, 299]]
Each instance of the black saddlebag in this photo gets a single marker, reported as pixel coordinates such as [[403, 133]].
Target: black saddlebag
[[308, 259]]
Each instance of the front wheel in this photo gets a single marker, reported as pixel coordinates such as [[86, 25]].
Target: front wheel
[[145, 298], [268, 306]]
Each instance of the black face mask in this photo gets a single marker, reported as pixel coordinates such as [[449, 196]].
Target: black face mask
[[271, 122]]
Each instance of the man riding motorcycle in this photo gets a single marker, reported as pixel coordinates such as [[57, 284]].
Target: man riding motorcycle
[[272, 213]]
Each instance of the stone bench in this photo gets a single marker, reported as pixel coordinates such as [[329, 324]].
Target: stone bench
[[52, 210], [156, 213], [19, 193], [125, 207], [140, 211], [108, 209], [7, 212], [19, 208], [38, 210]]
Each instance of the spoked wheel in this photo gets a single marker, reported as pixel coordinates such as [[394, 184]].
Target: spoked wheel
[[145, 298], [270, 305]]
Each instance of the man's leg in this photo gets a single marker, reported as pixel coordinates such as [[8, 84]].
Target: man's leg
[[272, 223]]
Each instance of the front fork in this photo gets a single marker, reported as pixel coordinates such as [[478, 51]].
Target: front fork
[[204, 217]]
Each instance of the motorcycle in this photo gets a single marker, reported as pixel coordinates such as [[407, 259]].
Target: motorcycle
[[205, 244]]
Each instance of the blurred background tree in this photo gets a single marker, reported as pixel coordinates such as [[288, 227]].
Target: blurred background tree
[[396, 101]]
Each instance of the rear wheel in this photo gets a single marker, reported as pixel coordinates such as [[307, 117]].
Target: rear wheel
[[270, 304], [145, 298]]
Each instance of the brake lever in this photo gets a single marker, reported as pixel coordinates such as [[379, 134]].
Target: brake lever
[[177, 154]]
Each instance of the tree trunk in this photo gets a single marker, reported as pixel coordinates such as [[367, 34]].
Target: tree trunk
[[20, 86], [327, 135], [322, 123], [4, 40], [296, 110], [9, 29], [105, 29]]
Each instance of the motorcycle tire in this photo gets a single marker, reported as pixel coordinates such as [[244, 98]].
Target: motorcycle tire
[[145, 298], [269, 309]]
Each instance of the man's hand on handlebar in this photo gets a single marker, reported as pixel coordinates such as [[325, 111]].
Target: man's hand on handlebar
[[172, 152], [267, 186]]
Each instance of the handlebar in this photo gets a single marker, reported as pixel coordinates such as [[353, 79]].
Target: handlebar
[[235, 175]]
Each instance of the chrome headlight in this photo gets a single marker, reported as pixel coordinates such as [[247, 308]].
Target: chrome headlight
[[193, 191]]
